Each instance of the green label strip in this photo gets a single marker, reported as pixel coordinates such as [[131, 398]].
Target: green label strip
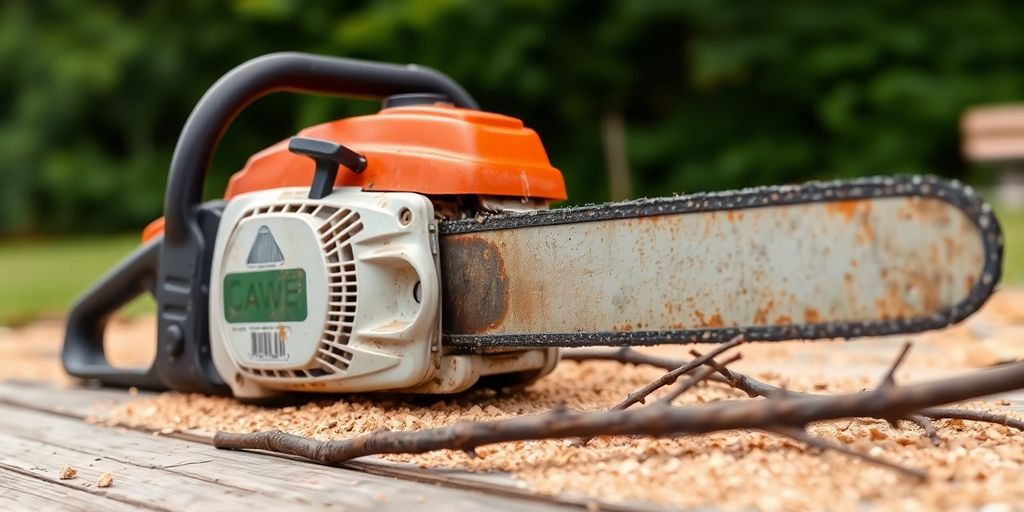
[[265, 296]]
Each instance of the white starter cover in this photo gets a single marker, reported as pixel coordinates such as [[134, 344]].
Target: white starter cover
[[336, 294]]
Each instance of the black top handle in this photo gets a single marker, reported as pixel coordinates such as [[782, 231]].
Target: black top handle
[[293, 72], [182, 257]]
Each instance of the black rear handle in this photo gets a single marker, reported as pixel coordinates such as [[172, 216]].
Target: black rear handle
[[83, 354]]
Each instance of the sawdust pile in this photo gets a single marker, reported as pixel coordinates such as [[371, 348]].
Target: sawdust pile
[[978, 465]]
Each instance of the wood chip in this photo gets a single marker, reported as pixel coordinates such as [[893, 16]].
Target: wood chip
[[105, 480], [876, 434]]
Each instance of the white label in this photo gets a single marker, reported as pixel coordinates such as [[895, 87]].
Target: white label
[[268, 343]]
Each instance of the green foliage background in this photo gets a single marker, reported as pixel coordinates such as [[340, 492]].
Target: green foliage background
[[714, 94]]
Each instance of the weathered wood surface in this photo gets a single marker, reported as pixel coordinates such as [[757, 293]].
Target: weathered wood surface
[[41, 429], [160, 473], [20, 490]]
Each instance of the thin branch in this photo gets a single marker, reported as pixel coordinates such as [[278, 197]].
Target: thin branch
[[889, 379], [950, 413], [928, 427], [778, 411], [802, 436], [728, 375], [640, 395], [685, 386], [622, 355], [628, 355], [754, 388]]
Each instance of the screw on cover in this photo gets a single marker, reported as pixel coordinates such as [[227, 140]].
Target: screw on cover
[[328, 156]]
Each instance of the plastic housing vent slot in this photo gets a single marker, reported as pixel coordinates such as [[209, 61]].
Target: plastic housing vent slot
[[336, 227]]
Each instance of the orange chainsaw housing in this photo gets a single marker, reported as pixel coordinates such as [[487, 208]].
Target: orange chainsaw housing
[[428, 149]]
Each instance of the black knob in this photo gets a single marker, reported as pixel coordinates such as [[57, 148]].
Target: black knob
[[328, 156], [175, 341]]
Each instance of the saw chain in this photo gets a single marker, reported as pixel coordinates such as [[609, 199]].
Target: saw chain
[[499, 281]]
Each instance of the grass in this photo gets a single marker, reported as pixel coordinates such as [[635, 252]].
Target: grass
[[42, 278], [1012, 222]]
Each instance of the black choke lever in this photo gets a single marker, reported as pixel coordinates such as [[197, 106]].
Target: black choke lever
[[328, 156]]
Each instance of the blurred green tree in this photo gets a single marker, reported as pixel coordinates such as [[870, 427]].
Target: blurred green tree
[[711, 95]]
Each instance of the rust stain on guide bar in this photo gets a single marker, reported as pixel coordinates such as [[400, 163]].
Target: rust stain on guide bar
[[475, 295]]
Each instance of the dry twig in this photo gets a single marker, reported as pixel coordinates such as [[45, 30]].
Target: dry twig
[[781, 411], [801, 435], [754, 388], [627, 355], [640, 395], [929, 428], [889, 379], [950, 413], [747, 385], [685, 386]]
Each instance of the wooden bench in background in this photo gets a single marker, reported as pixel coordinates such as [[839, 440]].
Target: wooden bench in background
[[994, 134]]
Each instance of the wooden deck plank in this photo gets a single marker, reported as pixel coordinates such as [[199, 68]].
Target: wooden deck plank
[[80, 402], [146, 487], [275, 481], [25, 491]]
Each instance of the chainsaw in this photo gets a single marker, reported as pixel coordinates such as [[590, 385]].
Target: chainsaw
[[415, 250]]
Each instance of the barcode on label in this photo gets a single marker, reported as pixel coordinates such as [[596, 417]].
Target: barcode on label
[[267, 345]]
